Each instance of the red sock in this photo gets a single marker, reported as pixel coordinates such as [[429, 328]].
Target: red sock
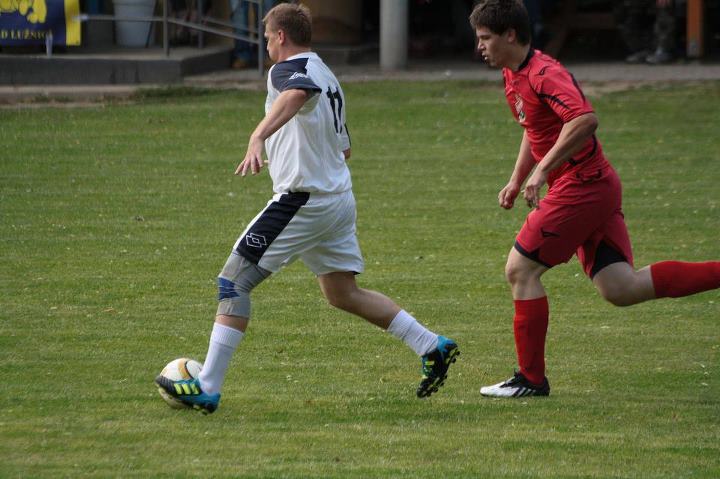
[[530, 325], [674, 279]]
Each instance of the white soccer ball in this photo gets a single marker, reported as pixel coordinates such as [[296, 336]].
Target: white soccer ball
[[181, 368]]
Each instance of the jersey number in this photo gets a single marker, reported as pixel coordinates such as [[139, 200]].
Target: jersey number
[[336, 105]]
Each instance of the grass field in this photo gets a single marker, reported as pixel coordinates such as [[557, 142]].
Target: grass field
[[115, 220]]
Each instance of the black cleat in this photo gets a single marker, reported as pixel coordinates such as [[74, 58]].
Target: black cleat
[[435, 366]]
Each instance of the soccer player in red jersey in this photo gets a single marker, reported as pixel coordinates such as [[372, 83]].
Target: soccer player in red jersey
[[582, 210]]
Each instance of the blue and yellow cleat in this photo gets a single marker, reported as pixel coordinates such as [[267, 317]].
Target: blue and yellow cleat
[[435, 365], [187, 393]]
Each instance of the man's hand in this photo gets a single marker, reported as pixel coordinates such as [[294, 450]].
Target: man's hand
[[507, 195], [286, 106], [531, 193], [253, 158]]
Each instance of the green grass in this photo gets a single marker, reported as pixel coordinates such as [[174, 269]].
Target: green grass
[[116, 219]]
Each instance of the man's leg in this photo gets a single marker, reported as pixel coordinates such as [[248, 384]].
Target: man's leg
[[437, 352], [239, 16], [531, 314], [235, 282], [664, 35], [226, 335], [342, 292], [621, 285], [635, 28], [530, 327]]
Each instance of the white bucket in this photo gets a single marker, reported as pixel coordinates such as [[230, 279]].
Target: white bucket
[[133, 34]]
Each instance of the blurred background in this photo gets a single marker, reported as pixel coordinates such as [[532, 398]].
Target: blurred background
[[138, 41]]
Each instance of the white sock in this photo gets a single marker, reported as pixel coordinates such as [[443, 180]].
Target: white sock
[[420, 339], [224, 341]]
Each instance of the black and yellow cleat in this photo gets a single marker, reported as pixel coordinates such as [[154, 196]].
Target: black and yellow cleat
[[435, 366]]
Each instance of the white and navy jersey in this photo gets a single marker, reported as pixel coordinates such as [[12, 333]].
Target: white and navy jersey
[[306, 154]]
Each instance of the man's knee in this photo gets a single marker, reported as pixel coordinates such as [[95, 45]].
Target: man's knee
[[512, 272], [235, 282], [617, 296], [522, 268], [618, 293], [339, 298], [620, 285], [336, 301], [518, 272]]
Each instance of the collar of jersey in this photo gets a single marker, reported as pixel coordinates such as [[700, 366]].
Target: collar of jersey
[[531, 53], [302, 55]]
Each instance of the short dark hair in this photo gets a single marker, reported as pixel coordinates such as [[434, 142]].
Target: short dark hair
[[293, 19], [501, 15]]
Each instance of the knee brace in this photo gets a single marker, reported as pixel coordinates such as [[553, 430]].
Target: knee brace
[[237, 278]]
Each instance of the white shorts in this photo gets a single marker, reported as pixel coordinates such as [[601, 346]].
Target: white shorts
[[317, 228]]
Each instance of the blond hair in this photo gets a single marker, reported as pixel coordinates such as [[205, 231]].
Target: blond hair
[[293, 19]]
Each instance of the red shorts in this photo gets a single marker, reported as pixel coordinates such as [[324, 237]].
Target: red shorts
[[580, 215]]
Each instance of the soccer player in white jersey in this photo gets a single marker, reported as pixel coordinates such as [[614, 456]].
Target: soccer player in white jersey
[[311, 216]]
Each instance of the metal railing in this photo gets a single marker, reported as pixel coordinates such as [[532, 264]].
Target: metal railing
[[250, 35]]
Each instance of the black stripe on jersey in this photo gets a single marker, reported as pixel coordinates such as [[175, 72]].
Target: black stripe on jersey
[[292, 74], [348, 134], [553, 99], [269, 225], [577, 85]]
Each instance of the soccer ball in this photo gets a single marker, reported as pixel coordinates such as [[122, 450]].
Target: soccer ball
[[182, 368]]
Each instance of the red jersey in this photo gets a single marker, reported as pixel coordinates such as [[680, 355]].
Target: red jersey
[[543, 96]]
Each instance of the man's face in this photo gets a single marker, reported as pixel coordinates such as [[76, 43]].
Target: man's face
[[272, 38], [492, 47]]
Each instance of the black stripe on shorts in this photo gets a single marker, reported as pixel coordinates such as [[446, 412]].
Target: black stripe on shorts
[[605, 255], [269, 225], [533, 255]]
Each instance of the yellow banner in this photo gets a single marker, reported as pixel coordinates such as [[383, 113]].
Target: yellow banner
[[33, 22]]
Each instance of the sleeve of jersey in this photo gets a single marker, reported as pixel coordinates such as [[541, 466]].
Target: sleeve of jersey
[[290, 76], [559, 90]]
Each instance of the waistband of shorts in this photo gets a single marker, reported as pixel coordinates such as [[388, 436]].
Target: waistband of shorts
[[303, 197], [315, 193]]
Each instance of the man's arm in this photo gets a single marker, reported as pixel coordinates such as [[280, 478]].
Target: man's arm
[[572, 138], [286, 106], [523, 167]]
